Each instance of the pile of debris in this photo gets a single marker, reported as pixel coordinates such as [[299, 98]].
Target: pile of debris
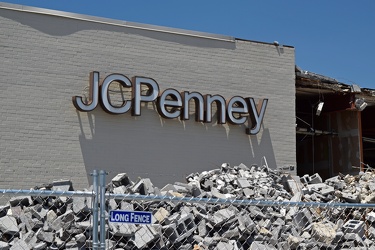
[[195, 222]]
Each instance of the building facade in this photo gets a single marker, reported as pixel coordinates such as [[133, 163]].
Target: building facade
[[164, 102]]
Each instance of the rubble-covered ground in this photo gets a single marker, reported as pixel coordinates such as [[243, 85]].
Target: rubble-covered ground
[[30, 222]]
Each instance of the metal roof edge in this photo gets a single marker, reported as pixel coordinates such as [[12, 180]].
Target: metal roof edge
[[108, 21], [269, 43]]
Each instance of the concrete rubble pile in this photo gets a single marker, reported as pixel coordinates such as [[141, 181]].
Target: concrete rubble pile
[[66, 223]]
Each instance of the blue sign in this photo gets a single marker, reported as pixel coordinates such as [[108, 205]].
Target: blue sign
[[135, 217]]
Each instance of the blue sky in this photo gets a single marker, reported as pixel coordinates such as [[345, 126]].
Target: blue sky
[[332, 38]]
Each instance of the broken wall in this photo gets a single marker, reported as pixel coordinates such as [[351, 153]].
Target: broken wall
[[329, 155]]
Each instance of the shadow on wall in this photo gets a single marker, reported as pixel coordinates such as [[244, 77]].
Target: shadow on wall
[[62, 26], [164, 150]]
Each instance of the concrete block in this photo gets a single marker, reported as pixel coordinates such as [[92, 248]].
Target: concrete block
[[28, 237], [265, 223], [122, 229], [38, 211], [294, 241], [371, 186], [186, 226], [231, 233], [256, 212], [143, 187], [255, 245], [371, 217], [81, 204], [40, 246], [18, 244], [144, 235], [182, 187], [196, 191], [321, 188], [354, 237], [223, 215], [226, 245], [121, 179], [296, 198], [172, 219], [72, 244], [8, 225], [246, 224], [354, 226], [45, 236], [302, 218], [161, 214], [62, 185], [338, 237], [248, 193], [124, 205], [315, 178], [168, 187], [15, 211], [217, 194], [275, 231], [170, 232], [305, 179], [4, 245], [63, 221], [20, 201], [202, 228]]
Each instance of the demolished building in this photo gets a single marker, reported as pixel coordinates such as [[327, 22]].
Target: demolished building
[[80, 93], [334, 125]]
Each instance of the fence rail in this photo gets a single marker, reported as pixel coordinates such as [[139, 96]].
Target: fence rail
[[58, 218]]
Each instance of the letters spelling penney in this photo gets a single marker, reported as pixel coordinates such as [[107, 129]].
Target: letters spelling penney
[[171, 103]]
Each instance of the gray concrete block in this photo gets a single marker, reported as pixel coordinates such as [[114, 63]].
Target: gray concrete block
[[4, 245], [72, 244], [230, 245], [15, 211], [63, 221], [81, 204], [121, 179], [354, 226], [215, 193], [144, 235], [248, 193], [8, 225], [39, 246], [202, 228], [223, 215], [186, 225], [315, 178], [258, 245], [370, 216], [45, 236], [351, 197], [232, 233], [62, 185], [122, 229], [18, 244], [302, 218], [20, 201], [246, 224]]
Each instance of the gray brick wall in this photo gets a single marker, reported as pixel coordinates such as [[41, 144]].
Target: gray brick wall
[[46, 59]]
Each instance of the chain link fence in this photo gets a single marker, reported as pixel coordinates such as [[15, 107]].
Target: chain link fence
[[112, 217], [198, 223]]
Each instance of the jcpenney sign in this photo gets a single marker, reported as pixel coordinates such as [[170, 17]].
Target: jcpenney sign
[[171, 103]]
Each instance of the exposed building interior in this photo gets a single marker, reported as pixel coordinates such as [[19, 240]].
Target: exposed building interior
[[335, 128]]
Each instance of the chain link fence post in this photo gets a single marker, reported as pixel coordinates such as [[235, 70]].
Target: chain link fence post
[[102, 184], [95, 210]]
